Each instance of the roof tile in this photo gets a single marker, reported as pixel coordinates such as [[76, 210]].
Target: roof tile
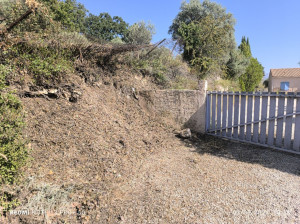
[[285, 72]]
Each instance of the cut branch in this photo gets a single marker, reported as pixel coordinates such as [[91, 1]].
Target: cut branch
[[24, 16]]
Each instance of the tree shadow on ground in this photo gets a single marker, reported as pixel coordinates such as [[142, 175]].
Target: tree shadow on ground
[[206, 144]]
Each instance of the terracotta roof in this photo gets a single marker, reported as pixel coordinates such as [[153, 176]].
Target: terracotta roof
[[285, 72]]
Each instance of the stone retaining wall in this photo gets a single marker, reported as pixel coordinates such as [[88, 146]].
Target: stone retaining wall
[[188, 107]]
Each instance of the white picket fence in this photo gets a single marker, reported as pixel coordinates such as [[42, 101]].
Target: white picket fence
[[261, 118]]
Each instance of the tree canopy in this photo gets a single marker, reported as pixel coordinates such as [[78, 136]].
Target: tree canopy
[[237, 64], [254, 72], [140, 33], [105, 27], [69, 13], [205, 33], [245, 47], [252, 77]]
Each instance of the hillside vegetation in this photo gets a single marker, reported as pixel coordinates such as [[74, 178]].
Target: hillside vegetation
[[72, 126]]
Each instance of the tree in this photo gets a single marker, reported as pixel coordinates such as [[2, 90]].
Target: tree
[[266, 83], [237, 64], [205, 33], [140, 33], [69, 13], [245, 47], [252, 77], [254, 72], [72, 15], [105, 27]]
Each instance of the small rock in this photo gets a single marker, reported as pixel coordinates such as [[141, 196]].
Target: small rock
[[41, 92], [75, 95], [53, 93], [185, 133], [122, 142]]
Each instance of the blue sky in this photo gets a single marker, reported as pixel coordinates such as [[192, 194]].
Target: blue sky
[[273, 26]]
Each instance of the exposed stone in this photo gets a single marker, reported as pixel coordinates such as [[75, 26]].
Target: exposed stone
[[53, 93], [75, 95], [185, 133]]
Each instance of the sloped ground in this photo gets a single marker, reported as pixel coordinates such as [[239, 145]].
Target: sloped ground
[[108, 158], [81, 150]]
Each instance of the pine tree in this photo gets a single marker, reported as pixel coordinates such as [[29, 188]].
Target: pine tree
[[245, 47]]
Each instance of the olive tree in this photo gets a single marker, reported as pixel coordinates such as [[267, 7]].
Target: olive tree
[[140, 33], [205, 33]]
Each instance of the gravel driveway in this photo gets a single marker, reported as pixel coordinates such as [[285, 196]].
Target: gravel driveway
[[208, 180]]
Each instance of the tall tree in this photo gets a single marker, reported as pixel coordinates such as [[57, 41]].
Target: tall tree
[[252, 77], [254, 72], [205, 33], [237, 64], [245, 47], [105, 27]]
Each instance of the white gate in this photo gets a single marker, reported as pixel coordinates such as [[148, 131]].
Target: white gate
[[261, 118]]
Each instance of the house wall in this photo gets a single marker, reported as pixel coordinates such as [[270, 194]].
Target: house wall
[[294, 83]]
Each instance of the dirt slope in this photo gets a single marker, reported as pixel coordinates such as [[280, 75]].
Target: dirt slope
[[108, 158], [80, 150]]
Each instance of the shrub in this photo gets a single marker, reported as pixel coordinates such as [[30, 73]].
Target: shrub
[[46, 65], [12, 145], [48, 69], [40, 22], [67, 39], [168, 71], [13, 153], [4, 71]]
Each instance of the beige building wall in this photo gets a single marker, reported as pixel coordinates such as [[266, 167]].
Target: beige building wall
[[274, 83]]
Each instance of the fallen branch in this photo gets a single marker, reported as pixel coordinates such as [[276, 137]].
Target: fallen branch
[[16, 22], [155, 46], [24, 16]]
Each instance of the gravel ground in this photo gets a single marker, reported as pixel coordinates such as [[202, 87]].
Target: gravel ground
[[209, 180]]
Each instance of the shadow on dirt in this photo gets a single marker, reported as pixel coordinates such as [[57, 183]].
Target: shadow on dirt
[[205, 144]]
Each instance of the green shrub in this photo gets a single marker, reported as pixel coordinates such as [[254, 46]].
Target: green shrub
[[46, 65], [4, 71], [12, 144], [13, 153], [140, 33], [160, 78], [7, 202], [48, 69]]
